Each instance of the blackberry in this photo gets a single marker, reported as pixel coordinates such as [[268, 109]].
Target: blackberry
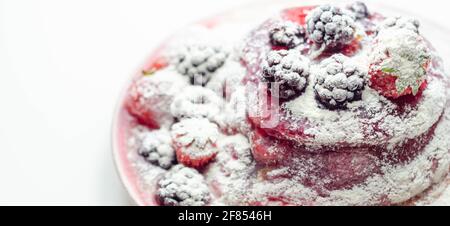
[[199, 61], [156, 148], [287, 68], [287, 34], [401, 23], [338, 81], [359, 10], [183, 186], [330, 26]]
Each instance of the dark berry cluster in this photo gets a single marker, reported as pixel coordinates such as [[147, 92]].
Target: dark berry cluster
[[330, 26], [289, 70], [287, 34], [359, 10], [156, 148], [339, 81], [199, 61], [183, 186]]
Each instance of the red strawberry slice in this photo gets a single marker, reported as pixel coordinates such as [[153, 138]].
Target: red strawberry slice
[[187, 157], [400, 70], [385, 84], [150, 96], [195, 141], [144, 113]]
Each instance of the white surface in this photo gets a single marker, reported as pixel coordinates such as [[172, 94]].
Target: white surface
[[62, 66]]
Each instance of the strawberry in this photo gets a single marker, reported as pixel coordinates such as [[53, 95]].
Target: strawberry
[[400, 62], [196, 157], [151, 95], [385, 83], [157, 64], [195, 141]]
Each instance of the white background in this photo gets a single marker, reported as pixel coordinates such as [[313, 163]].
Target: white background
[[62, 67]]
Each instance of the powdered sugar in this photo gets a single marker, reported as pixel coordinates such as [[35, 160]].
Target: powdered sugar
[[148, 173], [288, 69], [399, 183], [394, 184], [339, 82], [154, 94], [196, 101], [227, 78], [329, 127], [330, 25], [199, 61], [195, 131], [287, 34], [183, 186], [359, 10], [404, 53], [399, 22], [437, 195], [234, 117], [231, 171], [156, 147]]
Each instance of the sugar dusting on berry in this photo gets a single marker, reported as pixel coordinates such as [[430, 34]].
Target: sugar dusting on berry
[[330, 26], [227, 78], [197, 135], [156, 148], [402, 53], [234, 117], [359, 9], [400, 22], [395, 183], [339, 82], [152, 95], [183, 186], [232, 170], [196, 102], [199, 61], [350, 125], [288, 69], [287, 34]]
